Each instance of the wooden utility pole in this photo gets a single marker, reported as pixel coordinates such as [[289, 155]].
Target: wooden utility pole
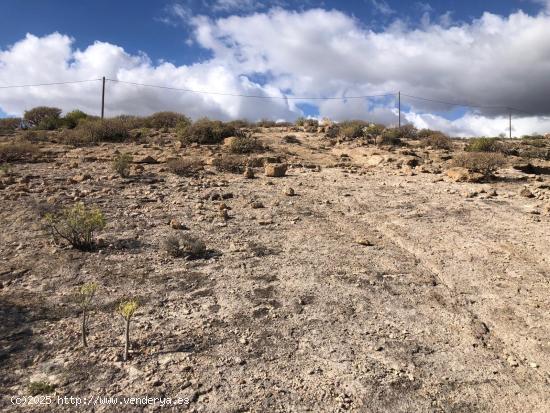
[[399, 103], [103, 99], [510, 124]]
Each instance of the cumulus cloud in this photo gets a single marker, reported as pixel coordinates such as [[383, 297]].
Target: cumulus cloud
[[493, 60]]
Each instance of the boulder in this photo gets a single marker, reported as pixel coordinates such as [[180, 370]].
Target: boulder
[[275, 170], [459, 174], [375, 160], [148, 159]]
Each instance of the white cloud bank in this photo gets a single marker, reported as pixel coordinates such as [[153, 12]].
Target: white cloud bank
[[493, 60]]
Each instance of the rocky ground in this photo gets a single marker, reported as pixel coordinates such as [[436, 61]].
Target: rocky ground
[[381, 285]]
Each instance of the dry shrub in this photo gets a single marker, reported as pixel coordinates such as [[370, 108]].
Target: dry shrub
[[162, 120], [484, 145], [106, 130], [390, 136], [18, 150], [185, 246], [438, 140], [72, 118], [206, 131], [121, 164], [353, 129], [244, 144], [43, 117], [485, 163], [230, 163], [185, 166], [9, 124]]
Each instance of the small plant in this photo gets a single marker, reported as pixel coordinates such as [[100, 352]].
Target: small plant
[[243, 144], [127, 309], [37, 388], [484, 145], [185, 246], [121, 164], [72, 118], [103, 130], [9, 124], [234, 164], [5, 169], [84, 297], [18, 150], [353, 129], [390, 136], [482, 162], [76, 225], [185, 166]]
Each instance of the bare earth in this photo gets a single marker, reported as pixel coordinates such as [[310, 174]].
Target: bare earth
[[376, 288]]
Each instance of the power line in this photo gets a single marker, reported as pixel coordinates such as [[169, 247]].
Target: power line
[[252, 96], [49, 84]]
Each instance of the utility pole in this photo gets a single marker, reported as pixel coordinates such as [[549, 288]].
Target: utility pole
[[510, 113], [103, 99], [399, 100]]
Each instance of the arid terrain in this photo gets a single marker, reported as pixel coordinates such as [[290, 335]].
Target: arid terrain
[[365, 279]]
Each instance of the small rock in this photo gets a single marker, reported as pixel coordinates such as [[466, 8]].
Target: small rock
[[512, 361], [289, 191], [363, 241], [175, 224], [257, 205], [534, 365], [148, 159], [248, 173], [459, 174], [80, 178], [526, 193]]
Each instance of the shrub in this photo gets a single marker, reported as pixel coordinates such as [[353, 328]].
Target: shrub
[[76, 225], [131, 122], [438, 140], [407, 132], [84, 297], [97, 130], [185, 246], [266, 123], [185, 166], [162, 120], [205, 131], [353, 129], [36, 388], [374, 129], [484, 145], [18, 150], [230, 163], [390, 136], [121, 164], [244, 144], [127, 310], [240, 124], [9, 124], [42, 116], [291, 139], [72, 118], [482, 162]]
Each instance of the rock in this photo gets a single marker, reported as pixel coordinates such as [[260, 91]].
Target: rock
[[248, 173], [148, 159], [512, 361], [459, 174], [80, 178], [375, 160], [289, 191], [275, 170], [534, 365], [363, 241], [224, 214], [526, 193], [175, 224], [257, 205]]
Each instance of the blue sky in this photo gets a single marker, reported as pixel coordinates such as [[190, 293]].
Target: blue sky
[[488, 52], [141, 25]]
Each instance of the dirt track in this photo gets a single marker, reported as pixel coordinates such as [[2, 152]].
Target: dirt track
[[446, 310]]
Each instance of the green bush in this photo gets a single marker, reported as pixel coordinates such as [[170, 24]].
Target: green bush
[[36, 388], [71, 119], [484, 145], [9, 124], [121, 164], [244, 144], [76, 225], [205, 131], [43, 117], [390, 136], [353, 129], [162, 120], [438, 140]]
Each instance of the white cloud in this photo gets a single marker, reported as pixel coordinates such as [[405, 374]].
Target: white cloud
[[493, 60], [382, 7]]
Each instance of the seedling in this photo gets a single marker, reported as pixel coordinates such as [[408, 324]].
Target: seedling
[[127, 309], [84, 296]]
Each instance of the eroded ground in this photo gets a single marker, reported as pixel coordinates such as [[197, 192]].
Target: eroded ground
[[376, 288]]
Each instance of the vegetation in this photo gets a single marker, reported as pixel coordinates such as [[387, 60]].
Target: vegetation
[[162, 120], [9, 124], [482, 162], [121, 164], [353, 129], [437, 140], [43, 117], [230, 163], [484, 145], [390, 136], [127, 309], [106, 130], [84, 297], [185, 166], [205, 131], [17, 150], [37, 388], [185, 246], [72, 118], [244, 144], [76, 225]]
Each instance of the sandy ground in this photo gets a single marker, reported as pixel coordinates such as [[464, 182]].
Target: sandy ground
[[373, 289]]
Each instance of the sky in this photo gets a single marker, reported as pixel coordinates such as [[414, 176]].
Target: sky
[[290, 56]]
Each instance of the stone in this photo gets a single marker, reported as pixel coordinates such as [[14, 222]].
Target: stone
[[375, 160], [275, 170], [363, 241], [257, 205], [175, 224], [80, 178], [289, 191], [512, 361], [248, 173], [148, 159], [526, 193], [459, 174]]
